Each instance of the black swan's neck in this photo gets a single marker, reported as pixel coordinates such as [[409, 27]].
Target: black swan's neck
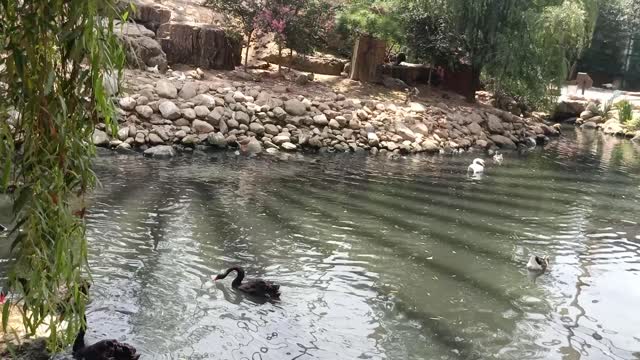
[[78, 344], [238, 280]]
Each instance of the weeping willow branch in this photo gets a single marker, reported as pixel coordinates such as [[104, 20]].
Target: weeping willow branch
[[54, 55]]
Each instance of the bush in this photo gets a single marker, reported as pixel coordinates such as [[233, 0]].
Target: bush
[[625, 111]]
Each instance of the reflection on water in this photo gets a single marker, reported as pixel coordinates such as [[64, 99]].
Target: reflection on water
[[378, 259]]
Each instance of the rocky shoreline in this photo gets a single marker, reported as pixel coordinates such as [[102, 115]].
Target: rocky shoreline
[[161, 114]]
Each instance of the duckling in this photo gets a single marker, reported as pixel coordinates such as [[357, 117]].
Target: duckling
[[538, 264], [476, 167], [498, 158]]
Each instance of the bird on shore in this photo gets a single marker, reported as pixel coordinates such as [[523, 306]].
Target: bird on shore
[[538, 264], [498, 158], [477, 167], [255, 287]]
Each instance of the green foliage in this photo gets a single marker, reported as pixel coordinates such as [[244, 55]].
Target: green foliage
[[625, 111], [244, 11], [56, 56], [633, 124], [371, 17]]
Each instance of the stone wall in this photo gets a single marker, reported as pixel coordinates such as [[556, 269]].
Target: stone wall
[[170, 113]]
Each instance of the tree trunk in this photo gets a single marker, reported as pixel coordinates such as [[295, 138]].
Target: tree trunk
[[246, 53], [280, 57], [475, 83], [368, 54]]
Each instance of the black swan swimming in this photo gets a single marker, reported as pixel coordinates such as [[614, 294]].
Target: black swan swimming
[[102, 350], [255, 287], [3, 228]]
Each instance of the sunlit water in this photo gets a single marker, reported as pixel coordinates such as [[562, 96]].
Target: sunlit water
[[377, 258]]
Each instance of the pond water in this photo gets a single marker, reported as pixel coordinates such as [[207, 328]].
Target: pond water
[[377, 258]]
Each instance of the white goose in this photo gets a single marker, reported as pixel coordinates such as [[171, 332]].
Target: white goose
[[477, 167]]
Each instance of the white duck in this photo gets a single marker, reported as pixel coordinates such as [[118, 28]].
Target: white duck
[[498, 159], [477, 167], [537, 263]]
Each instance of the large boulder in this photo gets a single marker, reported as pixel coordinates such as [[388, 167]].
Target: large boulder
[[169, 110], [295, 107], [503, 142], [166, 89], [206, 46], [570, 108], [613, 127], [150, 14], [141, 49], [100, 138]]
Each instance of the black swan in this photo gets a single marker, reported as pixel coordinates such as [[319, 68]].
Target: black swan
[[102, 350], [255, 287], [3, 228]]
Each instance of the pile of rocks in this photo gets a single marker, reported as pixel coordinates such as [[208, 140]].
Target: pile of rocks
[[193, 113]]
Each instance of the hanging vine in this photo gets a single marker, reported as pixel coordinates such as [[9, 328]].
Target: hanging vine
[[54, 59]]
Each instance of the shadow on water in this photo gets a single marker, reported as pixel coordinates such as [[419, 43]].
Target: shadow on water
[[376, 258]]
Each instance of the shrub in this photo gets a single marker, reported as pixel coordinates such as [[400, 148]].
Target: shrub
[[625, 111]]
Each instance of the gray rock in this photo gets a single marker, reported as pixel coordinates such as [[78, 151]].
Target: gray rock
[[182, 122], [222, 126], [242, 117], [315, 142], [145, 111], [430, 146], [288, 146], [169, 110], [281, 139], [189, 114], [254, 147], [294, 107], [279, 113], [475, 128], [217, 139], [123, 134], [123, 148], [373, 139], [140, 138], [320, 120], [256, 128], [100, 138], [238, 96], [202, 127], [405, 132], [191, 140], [271, 129], [589, 125], [155, 139], [354, 124], [189, 90], [362, 115], [204, 100], [392, 146], [233, 123], [127, 103], [613, 127], [597, 119], [132, 130], [636, 137], [201, 111], [161, 151], [180, 134], [421, 128], [166, 89], [494, 124], [334, 124], [142, 100], [503, 142]]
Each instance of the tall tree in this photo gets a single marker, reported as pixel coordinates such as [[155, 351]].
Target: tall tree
[[57, 55], [243, 11]]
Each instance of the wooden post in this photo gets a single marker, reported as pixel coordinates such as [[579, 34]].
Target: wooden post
[[368, 53]]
